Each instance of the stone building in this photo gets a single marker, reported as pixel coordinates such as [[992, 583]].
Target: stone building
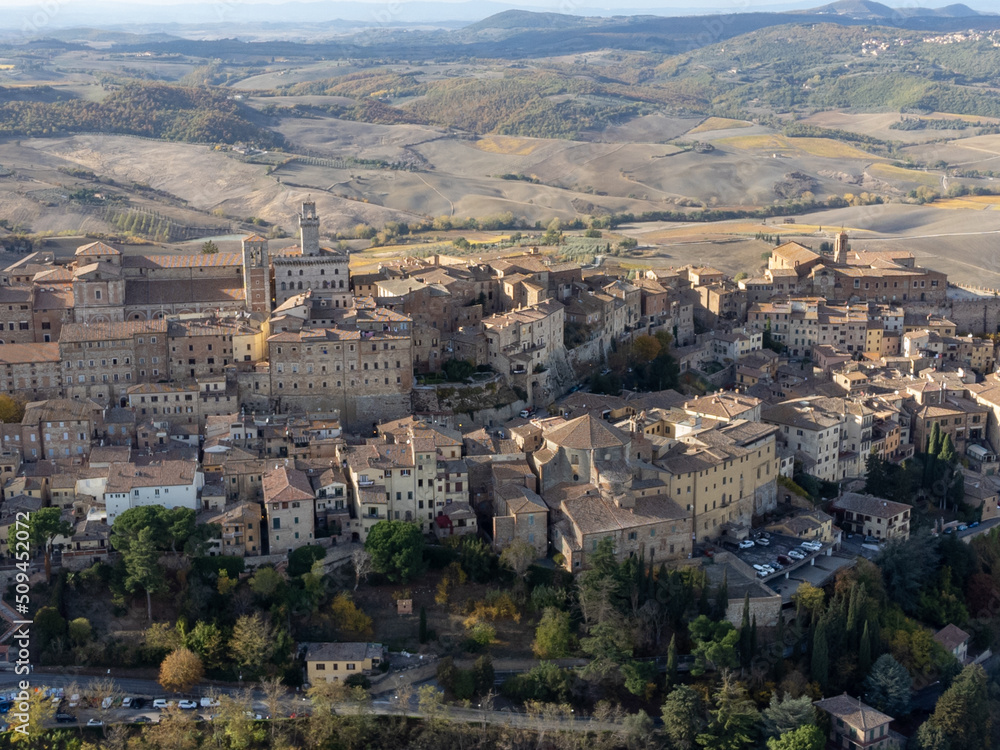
[[101, 360], [289, 506], [170, 483], [855, 725], [872, 516], [519, 514], [59, 428], [309, 266], [31, 370]]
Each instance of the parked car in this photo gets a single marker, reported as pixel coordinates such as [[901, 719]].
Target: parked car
[[140, 719], [963, 527], [107, 703], [746, 544], [796, 554], [127, 702], [187, 704], [64, 718], [95, 723], [776, 565], [974, 524], [161, 703], [762, 574], [784, 559], [758, 568], [207, 702], [138, 703], [764, 541]]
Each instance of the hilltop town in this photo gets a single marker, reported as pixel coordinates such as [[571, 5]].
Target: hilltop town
[[758, 436]]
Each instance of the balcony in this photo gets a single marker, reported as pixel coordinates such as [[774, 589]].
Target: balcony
[[366, 483]]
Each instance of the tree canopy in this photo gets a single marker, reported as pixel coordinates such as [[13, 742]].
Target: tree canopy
[[396, 548]]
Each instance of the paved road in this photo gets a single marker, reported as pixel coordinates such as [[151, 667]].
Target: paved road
[[295, 703]]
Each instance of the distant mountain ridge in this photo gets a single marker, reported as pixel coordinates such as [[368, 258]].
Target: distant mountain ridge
[[869, 9]]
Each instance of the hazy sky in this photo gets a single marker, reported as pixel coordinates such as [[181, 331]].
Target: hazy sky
[[665, 5], [18, 14]]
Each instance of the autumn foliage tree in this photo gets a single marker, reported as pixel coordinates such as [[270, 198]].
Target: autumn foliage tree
[[181, 670], [349, 619]]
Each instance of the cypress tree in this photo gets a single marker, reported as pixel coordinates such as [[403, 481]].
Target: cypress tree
[[671, 676], [651, 580], [704, 607], [819, 663], [753, 638], [876, 640], [934, 446], [423, 624], [779, 637], [947, 452], [745, 632], [853, 610], [865, 652], [722, 598]]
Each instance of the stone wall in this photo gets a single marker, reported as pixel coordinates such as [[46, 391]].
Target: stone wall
[[765, 608], [488, 403], [975, 315]]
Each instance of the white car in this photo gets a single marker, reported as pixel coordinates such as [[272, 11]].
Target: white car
[[811, 546], [107, 703], [762, 574], [95, 723], [187, 705], [161, 703], [127, 702], [796, 554], [207, 702], [764, 541], [758, 568], [746, 544]]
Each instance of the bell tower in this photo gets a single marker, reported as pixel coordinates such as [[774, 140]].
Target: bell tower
[[840, 248], [257, 274], [309, 229]]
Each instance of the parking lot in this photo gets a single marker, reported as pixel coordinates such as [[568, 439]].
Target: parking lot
[[768, 555]]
